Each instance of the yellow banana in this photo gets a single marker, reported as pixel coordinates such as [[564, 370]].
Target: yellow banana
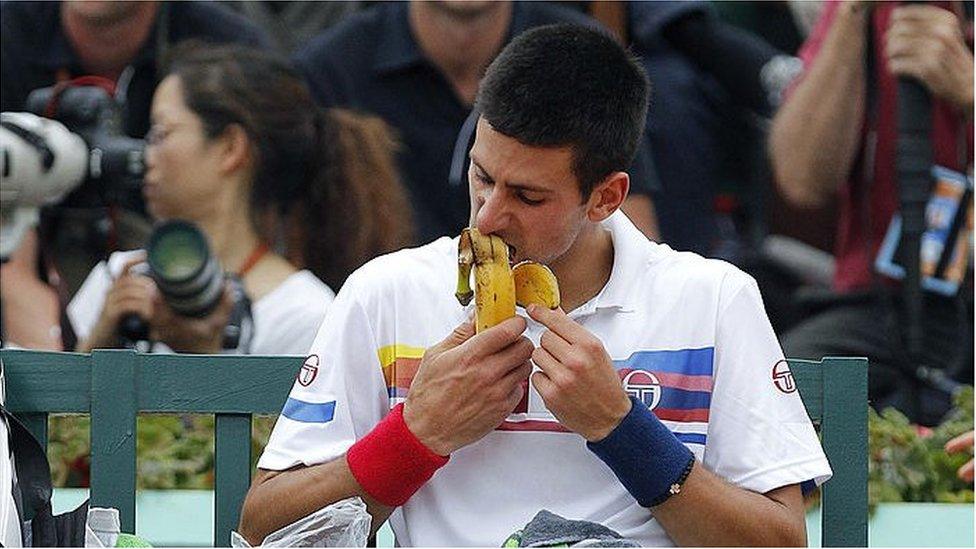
[[497, 286], [535, 283]]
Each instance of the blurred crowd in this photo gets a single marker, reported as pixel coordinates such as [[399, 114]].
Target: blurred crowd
[[305, 138]]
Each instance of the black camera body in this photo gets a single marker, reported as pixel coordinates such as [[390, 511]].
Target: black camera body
[[115, 161]]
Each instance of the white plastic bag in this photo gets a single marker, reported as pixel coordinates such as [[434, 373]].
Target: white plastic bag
[[343, 524], [102, 527]]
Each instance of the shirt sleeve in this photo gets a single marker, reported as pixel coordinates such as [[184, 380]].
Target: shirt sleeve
[[760, 436], [339, 394]]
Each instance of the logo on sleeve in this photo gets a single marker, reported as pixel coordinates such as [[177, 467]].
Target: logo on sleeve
[[644, 386], [309, 370], [783, 377]]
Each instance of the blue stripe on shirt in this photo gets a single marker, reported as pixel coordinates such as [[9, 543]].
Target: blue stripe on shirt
[[692, 362], [308, 412], [691, 438]]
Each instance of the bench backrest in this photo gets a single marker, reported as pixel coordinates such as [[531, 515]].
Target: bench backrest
[[114, 386]]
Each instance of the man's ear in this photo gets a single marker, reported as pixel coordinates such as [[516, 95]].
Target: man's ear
[[607, 196], [235, 148]]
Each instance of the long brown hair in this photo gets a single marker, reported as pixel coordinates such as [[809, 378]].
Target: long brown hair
[[328, 178]]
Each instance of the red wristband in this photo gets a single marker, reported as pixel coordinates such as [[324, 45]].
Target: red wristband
[[390, 463]]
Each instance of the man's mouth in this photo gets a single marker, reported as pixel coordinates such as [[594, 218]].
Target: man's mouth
[[511, 255]]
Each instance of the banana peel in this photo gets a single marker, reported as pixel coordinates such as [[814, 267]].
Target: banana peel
[[498, 286]]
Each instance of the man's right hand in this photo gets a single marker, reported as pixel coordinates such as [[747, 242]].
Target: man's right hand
[[467, 384]]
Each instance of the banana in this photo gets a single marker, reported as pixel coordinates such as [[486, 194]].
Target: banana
[[497, 286], [535, 283]]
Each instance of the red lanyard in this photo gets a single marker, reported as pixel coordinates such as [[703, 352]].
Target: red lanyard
[[256, 255]]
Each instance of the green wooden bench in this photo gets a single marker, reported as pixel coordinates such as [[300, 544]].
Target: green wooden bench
[[114, 386]]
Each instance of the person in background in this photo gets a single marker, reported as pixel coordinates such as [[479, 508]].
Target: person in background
[[417, 65], [239, 148], [45, 43], [292, 23], [836, 136]]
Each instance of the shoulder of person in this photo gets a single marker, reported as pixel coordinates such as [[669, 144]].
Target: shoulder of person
[[30, 11], [307, 288], [358, 32], [214, 22], [547, 13], [415, 270], [694, 273], [28, 25]]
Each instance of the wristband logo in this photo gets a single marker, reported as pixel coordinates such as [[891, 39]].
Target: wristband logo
[[783, 377], [644, 386], [309, 370]]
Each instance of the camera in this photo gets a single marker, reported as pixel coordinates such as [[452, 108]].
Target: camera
[[68, 150], [115, 163], [192, 283]]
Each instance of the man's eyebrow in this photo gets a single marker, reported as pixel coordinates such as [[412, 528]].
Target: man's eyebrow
[[511, 185], [484, 172]]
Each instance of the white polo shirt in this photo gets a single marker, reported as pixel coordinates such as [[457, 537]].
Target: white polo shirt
[[688, 335]]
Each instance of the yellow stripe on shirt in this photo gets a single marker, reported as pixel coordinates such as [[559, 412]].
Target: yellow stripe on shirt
[[390, 353]]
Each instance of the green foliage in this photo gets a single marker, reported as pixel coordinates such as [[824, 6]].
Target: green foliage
[[172, 451], [908, 465]]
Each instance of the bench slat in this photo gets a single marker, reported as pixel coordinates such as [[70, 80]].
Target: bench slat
[[113, 433], [232, 472]]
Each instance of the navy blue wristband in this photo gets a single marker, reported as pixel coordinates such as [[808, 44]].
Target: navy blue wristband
[[647, 458]]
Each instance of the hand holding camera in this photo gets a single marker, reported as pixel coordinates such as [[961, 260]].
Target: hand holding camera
[[187, 334], [175, 293], [132, 294]]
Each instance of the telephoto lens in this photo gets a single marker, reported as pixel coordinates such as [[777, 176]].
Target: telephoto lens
[[192, 283], [187, 274]]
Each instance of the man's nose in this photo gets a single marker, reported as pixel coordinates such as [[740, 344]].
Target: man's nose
[[491, 217]]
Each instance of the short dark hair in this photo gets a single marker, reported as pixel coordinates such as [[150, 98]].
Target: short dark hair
[[569, 85]]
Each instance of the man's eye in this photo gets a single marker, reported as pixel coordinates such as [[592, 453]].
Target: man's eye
[[529, 201]]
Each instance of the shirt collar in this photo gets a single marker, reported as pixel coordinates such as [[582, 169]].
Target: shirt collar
[[398, 49], [632, 252]]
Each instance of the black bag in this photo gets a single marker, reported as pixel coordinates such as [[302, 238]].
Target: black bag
[[32, 494]]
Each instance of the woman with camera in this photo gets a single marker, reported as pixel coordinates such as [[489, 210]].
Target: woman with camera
[[239, 149]]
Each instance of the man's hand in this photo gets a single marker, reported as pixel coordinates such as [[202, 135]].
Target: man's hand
[[926, 43], [191, 335], [467, 384], [577, 380]]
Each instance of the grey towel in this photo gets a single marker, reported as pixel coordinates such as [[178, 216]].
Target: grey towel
[[548, 529]]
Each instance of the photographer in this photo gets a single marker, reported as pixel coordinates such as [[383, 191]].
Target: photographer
[[236, 143], [837, 135], [48, 43]]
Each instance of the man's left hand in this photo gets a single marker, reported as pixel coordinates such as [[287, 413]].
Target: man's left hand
[[577, 379]]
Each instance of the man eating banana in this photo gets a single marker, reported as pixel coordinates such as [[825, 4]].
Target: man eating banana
[[638, 394]]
